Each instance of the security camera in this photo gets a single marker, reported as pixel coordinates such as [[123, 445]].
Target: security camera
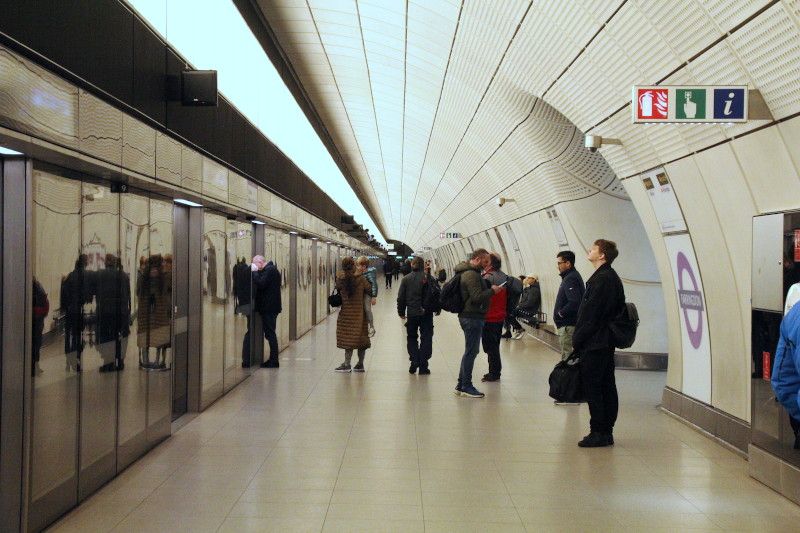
[[500, 201], [594, 142]]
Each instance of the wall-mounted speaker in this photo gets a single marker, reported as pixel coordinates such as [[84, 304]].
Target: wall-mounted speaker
[[199, 87]]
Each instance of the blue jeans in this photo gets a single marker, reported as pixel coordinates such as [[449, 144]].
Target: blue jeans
[[473, 329]]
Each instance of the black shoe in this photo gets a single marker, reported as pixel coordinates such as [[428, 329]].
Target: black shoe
[[246, 364], [594, 440], [269, 363], [412, 369], [610, 438], [490, 377], [424, 371], [506, 335]]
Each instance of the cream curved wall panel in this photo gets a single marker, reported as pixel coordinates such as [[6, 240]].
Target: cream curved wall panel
[[730, 364], [770, 47], [727, 14], [264, 201], [237, 190], [100, 128], [636, 154], [769, 170], [644, 209], [36, 102], [191, 169], [790, 132], [168, 159], [138, 146], [215, 180], [683, 22]]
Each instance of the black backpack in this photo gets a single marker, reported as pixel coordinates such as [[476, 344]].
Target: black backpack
[[430, 295], [450, 297], [513, 291], [623, 327]]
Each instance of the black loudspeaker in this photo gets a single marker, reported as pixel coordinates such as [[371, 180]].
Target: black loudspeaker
[[199, 87]]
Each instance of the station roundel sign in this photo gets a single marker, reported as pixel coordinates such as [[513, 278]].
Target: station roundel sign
[[690, 299]]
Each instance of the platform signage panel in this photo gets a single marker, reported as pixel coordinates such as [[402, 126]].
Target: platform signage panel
[[685, 104], [695, 339]]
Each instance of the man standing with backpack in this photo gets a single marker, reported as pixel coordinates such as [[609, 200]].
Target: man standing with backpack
[[592, 340], [471, 309], [417, 302]]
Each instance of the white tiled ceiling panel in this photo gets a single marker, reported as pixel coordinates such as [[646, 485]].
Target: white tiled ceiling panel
[[439, 106]]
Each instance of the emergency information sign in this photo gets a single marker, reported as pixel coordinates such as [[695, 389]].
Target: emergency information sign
[[685, 104]]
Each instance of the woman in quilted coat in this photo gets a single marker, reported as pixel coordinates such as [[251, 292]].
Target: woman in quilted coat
[[351, 327]]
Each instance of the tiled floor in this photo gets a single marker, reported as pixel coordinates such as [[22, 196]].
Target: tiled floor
[[303, 448]]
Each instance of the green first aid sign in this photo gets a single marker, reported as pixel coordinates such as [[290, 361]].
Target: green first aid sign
[[690, 104]]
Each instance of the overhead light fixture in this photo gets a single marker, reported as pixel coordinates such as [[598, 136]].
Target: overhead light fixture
[[259, 223], [8, 151], [293, 233], [314, 238], [187, 202], [328, 242]]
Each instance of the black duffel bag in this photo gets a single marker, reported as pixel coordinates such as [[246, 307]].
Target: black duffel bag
[[335, 299], [565, 380]]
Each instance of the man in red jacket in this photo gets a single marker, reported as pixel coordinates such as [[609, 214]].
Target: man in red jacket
[[493, 326]]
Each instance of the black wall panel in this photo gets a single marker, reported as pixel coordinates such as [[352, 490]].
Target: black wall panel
[[54, 28], [108, 34], [240, 130], [149, 73], [222, 130]]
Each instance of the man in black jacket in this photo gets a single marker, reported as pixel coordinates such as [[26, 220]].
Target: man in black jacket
[[419, 321], [267, 284], [568, 300], [592, 340]]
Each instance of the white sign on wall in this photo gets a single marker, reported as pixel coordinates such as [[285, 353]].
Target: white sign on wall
[[558, 229], [665, 203], [693, 317]]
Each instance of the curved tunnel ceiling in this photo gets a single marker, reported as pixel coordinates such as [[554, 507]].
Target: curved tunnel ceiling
[[439, 107]]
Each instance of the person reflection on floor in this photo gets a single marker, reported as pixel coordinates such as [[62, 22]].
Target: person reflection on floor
[[113, 312], [41, 307], [73, 297]]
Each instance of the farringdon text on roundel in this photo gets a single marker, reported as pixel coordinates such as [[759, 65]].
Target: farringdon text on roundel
[[690, 300]]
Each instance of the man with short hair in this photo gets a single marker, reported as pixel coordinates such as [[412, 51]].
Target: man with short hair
[[568, 300], [495, 316], [267, 286], [419, 321], [592, 340], [476, 302]]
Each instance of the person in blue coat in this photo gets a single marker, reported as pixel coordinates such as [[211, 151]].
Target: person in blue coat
[[786, 369]]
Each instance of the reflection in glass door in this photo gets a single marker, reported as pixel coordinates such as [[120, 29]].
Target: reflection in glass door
[[157, 355], [134, 251], [102, 334], [101, 385], [239, 254], [58, 274]]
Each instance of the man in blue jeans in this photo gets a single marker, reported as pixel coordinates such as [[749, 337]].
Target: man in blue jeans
[[476, 303]]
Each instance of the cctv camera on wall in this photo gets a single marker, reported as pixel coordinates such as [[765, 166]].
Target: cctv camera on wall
[[594, 142], [500, 201]]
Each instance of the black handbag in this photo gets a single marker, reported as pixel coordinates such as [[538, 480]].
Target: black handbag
[[335, 299], [565, 380]]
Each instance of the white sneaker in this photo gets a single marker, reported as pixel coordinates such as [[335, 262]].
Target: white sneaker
[[519, 334]]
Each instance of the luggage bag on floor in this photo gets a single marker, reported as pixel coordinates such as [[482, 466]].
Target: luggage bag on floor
[[565, 380]]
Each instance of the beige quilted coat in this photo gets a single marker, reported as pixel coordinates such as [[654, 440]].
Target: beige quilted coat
[[351, 327]]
